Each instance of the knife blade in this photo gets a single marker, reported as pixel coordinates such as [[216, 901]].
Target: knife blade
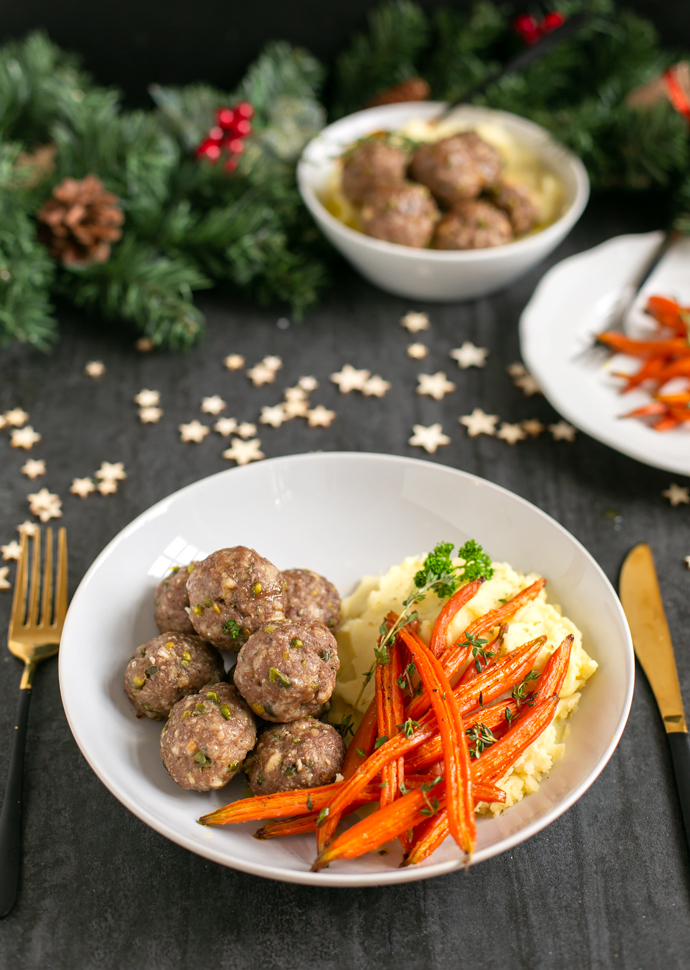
[[644, 609]]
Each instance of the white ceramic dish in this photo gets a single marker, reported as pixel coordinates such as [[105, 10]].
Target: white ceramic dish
[[343, 515], [434, 274], [570, 305]]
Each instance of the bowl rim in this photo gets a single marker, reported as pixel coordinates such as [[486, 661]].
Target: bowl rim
[[493, 253]]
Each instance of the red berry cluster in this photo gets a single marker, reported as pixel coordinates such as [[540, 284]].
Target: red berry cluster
[[531, 30], [227, 136]]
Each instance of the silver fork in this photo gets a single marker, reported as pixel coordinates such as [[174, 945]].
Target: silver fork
[[32, 637]]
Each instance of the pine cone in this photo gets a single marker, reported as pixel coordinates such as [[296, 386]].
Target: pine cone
[[80, 221], [413, 89]]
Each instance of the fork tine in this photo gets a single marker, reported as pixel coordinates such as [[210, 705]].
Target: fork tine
[[35, 588], [47, 605], [61, 584], [19, 600]]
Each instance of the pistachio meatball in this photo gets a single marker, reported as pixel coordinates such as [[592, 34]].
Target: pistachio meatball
[[404, 214], [171, 601], [168, 668], [287, 670], [311, 597], [302, 754], [232, 594], [456, 168], [516, 202], [473, 225], [371, 165], [207, 737]]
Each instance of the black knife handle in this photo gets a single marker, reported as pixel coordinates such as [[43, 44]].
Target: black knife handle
[[11, 818], [679, 743]]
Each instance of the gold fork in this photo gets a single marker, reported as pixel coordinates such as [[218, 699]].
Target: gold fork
[[32, 638]]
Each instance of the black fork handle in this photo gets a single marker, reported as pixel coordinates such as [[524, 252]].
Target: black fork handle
[[11, 817]]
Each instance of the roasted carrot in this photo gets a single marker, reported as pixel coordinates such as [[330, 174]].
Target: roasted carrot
[[675, 347], [438, 642], [363, 741], [307, 823], [389, 711], [668, 313], [491, 652], [302, 801], [496, 760]]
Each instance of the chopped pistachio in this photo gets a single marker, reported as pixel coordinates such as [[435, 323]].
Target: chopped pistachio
[[198, 609], [269, 629], [259, 779], [296, 740], [276, 677], [150, 671], [201, 758], [296, 643], [186, 658], [216, 609], [225, 711], [147, 707], [258, 709], [207, 603], [256, 589], [170, 644], [175, 569], [233, 766], [142, 651], [200, 709], [269, 710], [186, 714], [212, 696], [138, 681], [325, 655], [289, 771]]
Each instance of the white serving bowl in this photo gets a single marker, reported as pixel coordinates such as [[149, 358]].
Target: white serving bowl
[[428, 274]]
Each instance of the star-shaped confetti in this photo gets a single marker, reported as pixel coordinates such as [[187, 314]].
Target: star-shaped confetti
[[562, 431], [234, 362], [34, 468], [111, 472], [213, 405], [273, 363], [417, 351], [320, 417], [194, 431], [144, 345], [516, 370], [225, 426], [95, 369], [82, 487], [44, 505], [3, 421], [4, 581], [469, 356], [27, 528], [16, 417], [511, 433], [295, 393], [246, 430], [350, 379], [147, 399], [533, 427], [296, 408], [414, 322], [687, 561], [275, 416], [430, 438], [434, 385], [527, 385], [308, 383], [260, 374], [150, 415], [375, 386], [244, 451], [677, 495], [24, 438], [479, 423], [107, 487], [12, 550]]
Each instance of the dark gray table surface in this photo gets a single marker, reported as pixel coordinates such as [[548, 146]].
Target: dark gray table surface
[[607, 885]]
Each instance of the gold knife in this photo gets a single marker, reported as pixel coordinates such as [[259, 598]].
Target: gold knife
[[641, 599]]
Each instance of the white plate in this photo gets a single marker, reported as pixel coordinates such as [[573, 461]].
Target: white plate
[[343, 515], [570, 305]]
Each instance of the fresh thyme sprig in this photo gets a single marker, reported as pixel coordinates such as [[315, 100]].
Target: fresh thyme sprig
[[433, 803], [519, 692], [481, 737], [479, 651]]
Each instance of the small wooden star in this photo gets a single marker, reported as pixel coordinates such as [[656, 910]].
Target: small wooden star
[[24, 438], [516, 370], [469, 356], [114, 472], [375, 386], [150, 415], [16, 417], [295, 394], [27, 528], [273, 363], [533, 427], [320, 417], [225, 426], [479, 423], [511, 433], [213, 405], [260, 375], [414, 322], [3, 421], [677, 495], [34, 468], [350, 379], [429, 438], [527, 385], [687, 561], [275, 416], [243, 452], [562, 431], [95, 369], [234, 362], [44, 505], [147, 399], [296, 408], [435, 385], [308, 384], [12, 550], [194, 431], [144, 345], [4, 581], [107, 487], [246, 430], [417, 351], [82, 487]]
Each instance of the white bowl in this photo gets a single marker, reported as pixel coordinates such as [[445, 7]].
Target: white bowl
[[429, 274], [343, 515]]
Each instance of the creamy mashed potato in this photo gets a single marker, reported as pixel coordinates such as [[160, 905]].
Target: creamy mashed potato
[[375, 596]]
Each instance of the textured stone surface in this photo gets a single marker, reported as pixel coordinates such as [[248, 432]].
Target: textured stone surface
[[606, 886]]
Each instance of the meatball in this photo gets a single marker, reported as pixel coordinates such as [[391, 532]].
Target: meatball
[[456, 168], [302, 754], [232, 594], [168, 668], [403, 214], [171, 601], [311, 597], [473, 225], [516, 202], [371, 165], [287, 670], [207, 737]]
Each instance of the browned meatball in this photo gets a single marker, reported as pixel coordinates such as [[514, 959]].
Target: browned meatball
[[288, 670], [370, 166], [456, 168], [302, 754], [473, 225], [168, 668], [404, 214], [207, 737], [171, 601], [311, 597], [233, 593], [516, 202]]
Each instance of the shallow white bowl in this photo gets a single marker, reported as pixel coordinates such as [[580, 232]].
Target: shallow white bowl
[[343, 515], [429, 274]]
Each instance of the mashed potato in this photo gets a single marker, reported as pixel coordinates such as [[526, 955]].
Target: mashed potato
[[375, 596]]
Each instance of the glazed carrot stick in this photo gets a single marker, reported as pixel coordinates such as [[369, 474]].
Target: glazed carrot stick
[[675, 347], [389, 711], [667, 313], [307, 823], [281, 805], [490, 648], [363, 741], [438, 642], [496, 760]]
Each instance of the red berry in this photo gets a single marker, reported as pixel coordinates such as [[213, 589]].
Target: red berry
[[244, 110], [209, 149], [235, 146], [528, 28], [551, 21], [216, 134], [225, 117], [241, 128], [231, 165]]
